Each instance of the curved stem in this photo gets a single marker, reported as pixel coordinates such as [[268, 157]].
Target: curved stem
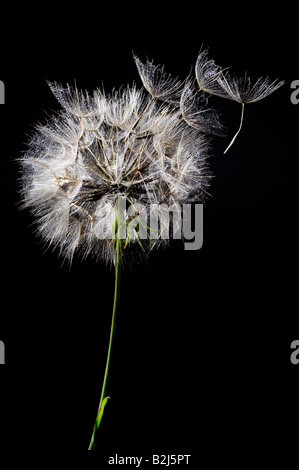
[[234, 138], [118, 258]]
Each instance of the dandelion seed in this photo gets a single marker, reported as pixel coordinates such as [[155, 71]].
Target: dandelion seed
[[207, 73], [195, 112], [212, 79], [158, 83], [241, 90]]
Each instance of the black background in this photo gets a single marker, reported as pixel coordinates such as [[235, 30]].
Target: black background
[[201, 359]]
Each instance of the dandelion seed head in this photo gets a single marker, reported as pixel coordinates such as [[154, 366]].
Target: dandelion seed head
[[100, 148]]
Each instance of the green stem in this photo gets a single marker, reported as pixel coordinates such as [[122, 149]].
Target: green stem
[[118, 259]]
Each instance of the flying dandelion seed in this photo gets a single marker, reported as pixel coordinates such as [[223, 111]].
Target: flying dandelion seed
[[96, 171], [241, 90], [212, 79]]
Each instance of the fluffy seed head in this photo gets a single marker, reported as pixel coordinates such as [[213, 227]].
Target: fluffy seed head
[[102, 148]]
